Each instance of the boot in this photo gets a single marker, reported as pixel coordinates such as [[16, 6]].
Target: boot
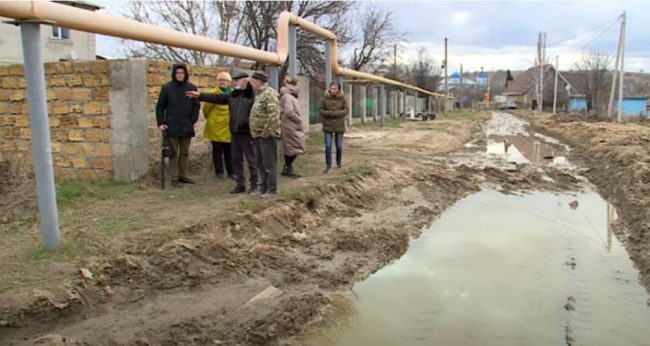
[[185, 180], [291, 173], [238, 189], [285, 171]]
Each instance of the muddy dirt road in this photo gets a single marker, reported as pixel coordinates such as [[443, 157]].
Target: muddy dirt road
[[238, 271]]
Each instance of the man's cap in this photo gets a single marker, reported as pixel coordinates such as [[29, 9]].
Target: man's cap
[[261, 75], [239, 74]]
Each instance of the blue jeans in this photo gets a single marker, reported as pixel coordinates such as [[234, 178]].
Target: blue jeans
[[338, 136]]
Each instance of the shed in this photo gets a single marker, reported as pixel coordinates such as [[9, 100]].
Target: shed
[[577, 104], [634, 106]]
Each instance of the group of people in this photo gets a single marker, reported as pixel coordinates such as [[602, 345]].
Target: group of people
[[245, 120]]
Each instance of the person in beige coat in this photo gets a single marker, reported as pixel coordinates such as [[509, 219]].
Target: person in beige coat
[[292, 133]]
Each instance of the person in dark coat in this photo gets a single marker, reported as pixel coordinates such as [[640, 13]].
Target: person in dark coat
[[240, 102], [177, 114], [333, 110]]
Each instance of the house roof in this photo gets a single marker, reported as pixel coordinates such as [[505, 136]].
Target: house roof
[[524, 81]]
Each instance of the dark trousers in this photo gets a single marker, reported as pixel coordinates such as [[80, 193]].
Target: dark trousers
[[178, 163], [221, 154], [338, 139], [267, 163], [243, 147], [288, 160]]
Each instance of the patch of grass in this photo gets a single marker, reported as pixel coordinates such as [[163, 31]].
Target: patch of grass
[[115, 224], [463, 115], [316, 138], [71, 247], [388, 122], [70, 192]]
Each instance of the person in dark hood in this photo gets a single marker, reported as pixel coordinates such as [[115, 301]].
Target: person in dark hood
[[240, 102], [177, 114]]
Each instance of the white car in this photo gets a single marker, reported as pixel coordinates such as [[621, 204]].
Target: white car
[[508, 105]]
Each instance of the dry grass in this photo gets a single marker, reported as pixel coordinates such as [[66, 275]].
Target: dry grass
[[100, 220]]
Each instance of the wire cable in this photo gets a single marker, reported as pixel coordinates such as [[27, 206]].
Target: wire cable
[[610, 22], [599, 36]]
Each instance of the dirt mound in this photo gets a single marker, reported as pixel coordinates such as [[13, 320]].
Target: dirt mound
[[581, 117]]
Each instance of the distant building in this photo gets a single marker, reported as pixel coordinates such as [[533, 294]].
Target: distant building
[[58, 43], [523, 91], [482, 78], [634, 106], [454, 82]]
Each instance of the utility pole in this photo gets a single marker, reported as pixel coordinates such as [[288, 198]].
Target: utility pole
[[395, 61], [461, 87], [541, 48], [557, 61], [622, 70], [610, 106], [446, 79]]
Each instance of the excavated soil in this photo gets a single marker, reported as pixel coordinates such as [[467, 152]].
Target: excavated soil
[[616, 158], [258, 276]]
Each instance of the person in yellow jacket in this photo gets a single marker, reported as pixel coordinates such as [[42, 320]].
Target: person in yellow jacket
[[217, 128]]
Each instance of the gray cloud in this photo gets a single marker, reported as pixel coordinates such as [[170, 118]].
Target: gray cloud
[[505, 24]]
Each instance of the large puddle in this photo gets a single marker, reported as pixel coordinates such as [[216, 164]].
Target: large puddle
[[494, 269]]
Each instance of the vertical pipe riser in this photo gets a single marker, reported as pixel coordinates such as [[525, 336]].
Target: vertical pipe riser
[[328, 65], [293, 58], [40, 133]]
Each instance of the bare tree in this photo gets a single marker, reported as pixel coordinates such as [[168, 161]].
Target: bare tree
[[260, 18], [594, 77], [215, 19], [253, 23], [424, 71], [230, 23], [374, 33]]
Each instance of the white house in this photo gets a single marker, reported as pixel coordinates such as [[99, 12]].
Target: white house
[[58, 43]]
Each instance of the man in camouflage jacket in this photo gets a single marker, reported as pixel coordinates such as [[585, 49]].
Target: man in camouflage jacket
[[265, 130]]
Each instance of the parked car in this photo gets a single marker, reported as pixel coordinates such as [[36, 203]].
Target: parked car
[[507, 105]]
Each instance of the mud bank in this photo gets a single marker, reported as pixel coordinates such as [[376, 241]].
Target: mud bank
[[617, 160], [260, 275]]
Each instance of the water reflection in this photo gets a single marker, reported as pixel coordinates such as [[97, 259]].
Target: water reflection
[[493, 271]]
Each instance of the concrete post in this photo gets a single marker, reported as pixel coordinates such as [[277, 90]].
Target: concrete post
[[403, 95], [382, 103], [127, 98], [363, 94], [274, 77], [375, 103], [328, 65], [293, 68], [303, 99], [40, 131], [415, 102], [429, 104]]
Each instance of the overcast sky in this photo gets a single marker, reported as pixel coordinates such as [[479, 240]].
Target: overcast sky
[[503, 35]]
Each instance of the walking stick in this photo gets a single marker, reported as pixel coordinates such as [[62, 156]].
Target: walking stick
[[162, 162], [165, 151]]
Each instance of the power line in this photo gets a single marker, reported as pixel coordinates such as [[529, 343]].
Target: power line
[[610, 22], [599, 35]]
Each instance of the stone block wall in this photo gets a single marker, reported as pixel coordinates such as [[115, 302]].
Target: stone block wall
[[79, 118], [101, 115]]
